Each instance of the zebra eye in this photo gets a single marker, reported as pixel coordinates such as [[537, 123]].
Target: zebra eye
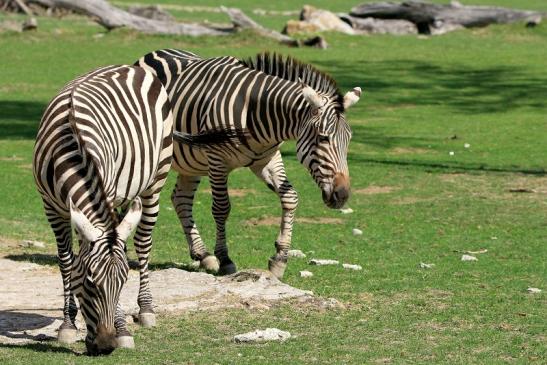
[[323, 138]]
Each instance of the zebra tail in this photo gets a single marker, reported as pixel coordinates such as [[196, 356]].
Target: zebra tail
[[210, 138]]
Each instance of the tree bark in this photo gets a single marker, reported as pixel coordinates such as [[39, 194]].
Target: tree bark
[[242, 21], [439, 18], [111, 17]]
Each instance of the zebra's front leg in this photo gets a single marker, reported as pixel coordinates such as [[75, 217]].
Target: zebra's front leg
[[63, 234], [272, 172], [218, 177], [183, 200], [143, 246]]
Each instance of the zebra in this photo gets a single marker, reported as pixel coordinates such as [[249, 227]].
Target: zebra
[[266, 100], [104, 142]]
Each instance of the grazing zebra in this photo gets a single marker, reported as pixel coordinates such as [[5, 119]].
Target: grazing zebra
[[104, 142], [271, 99]]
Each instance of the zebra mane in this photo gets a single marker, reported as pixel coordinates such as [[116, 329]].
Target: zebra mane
[[73, 121], [291, 69]]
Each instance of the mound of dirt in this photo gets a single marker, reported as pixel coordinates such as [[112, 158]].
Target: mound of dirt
[[31, 296]]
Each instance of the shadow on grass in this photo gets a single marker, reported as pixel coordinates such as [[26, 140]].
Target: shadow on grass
[[37, 258], [42, 347], [20, 119], [463, 88]]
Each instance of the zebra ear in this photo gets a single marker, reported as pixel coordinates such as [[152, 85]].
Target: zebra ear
[[352, 97], [311, 96], [131, 219], [80, 222]]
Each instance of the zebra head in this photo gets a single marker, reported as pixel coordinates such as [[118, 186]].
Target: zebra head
[[322, 143], [99, 273]]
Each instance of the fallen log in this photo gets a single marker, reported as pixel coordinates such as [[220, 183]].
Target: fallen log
[[112, 17], [242, 21], [441, 18], [379, 26]]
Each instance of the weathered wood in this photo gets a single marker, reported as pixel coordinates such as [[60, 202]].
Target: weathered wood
[[21, 4], [111, 17], [439, 18], [242, 21], [379, 26]]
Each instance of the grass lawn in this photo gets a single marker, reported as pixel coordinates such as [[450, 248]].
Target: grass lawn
[[413, 199]]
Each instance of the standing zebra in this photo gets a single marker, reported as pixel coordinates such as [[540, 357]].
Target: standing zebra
[[104, 142], [272, 100]]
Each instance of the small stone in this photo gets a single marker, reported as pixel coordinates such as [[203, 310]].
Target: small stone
[[533, 290], [357, 232], [296, 253], [482, 250], [269, 334], [306, 274], [466, 145], [352, 267], [30, 24], [30, 243], [346, 210], [451, 153], [423, 265], [322, 262], [469, 258]]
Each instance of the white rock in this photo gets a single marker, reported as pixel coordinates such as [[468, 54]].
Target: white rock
[[346, 210], [352, 267], [469, 258], [423, 265], [296, 253], [195, 265], [269, 334], [306, 274], [357, 232], [30, 243], [321, 262], [533, 290], [451, 153], [467, 145]]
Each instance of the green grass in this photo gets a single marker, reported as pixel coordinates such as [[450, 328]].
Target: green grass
[[487, 87]]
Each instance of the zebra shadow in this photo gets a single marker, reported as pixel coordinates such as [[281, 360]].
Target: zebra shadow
[[16, 324]]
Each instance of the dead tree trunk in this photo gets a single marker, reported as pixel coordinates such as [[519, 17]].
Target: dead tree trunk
[[439, 18], [111, 17], [242, 21]]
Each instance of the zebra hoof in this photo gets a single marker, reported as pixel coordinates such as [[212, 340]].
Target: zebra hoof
[[227, 269], [67, 335], [210, 263], [147, 319], [125, 342], [277, 268]]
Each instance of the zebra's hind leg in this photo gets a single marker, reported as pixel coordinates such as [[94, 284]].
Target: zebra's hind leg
[[143, 246], [218, 177], [63, 235], [272, 172], [183, 200]]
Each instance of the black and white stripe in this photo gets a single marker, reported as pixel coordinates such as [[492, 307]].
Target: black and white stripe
[[104, 142], [266, 100]]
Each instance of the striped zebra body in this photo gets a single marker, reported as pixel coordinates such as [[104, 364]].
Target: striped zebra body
[[104, 142], [271, 100]]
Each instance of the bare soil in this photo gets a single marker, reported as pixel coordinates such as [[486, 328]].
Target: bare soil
[[31, 296]]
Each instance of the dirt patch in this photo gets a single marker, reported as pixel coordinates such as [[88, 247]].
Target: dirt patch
[[407, 200], [274, 221], [11, 158], [238, 193], [31, 299], [373, 189], [407, 151]]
